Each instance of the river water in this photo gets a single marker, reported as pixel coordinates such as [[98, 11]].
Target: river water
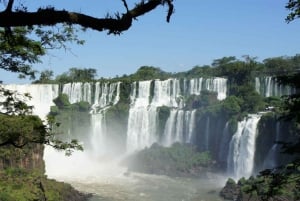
[[108, 181]]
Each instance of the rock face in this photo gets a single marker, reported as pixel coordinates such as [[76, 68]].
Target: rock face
[[30, 157], [25, 167], [231, 191]]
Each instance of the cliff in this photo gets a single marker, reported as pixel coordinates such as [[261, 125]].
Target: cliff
[[22, 177]]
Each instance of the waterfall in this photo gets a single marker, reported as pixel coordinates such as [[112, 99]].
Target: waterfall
[[142, 118], [190, 119], [170, 129], [268, 86], [206, 136], [179, 127], [240, 161], [143, 126], [223, 150], [196, 86], [257, 85], [106, 95], [217, 84], [271, 159], [42, 96], [167, 93], [77, 91]]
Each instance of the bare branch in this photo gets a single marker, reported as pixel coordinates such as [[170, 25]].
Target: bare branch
[[50, 17], [9, 6], [125, 5]]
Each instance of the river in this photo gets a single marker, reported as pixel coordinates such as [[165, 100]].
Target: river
[[108, 181]]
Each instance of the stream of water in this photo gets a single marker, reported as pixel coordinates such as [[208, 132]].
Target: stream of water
[[108, 181]]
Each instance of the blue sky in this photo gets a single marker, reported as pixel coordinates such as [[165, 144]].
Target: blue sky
[[199, 32]]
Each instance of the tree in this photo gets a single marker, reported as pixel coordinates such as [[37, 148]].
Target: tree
[[294, 7], [24, 38], [18, 127], [45, 76], [18, 51], [49, 16]]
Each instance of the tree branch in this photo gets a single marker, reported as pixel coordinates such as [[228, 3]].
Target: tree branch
[[50, 17], [9, 6]]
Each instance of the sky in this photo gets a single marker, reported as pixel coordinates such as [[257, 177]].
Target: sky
[[199, 32]]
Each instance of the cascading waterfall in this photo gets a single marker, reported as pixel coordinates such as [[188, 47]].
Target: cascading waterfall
[[167, 93], [190, 119], [142, 118], [223, 151], [216, 84], [42, 96], [271, 159], [142, 121], [106, 94], [240, 161], [142, 127], [206, 136], [77, 91], [169, 128], [267, 86]]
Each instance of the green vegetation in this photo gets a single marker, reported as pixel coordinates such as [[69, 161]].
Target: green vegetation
[[23, 185], [69, 120], [177, 160]]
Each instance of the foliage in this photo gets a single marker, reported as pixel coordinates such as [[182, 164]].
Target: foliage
[[294, 7], [69, 119], [179, 159], [207, 98], [232, 105], [21, 130], [19, 127], [46, 77], [77, 75], [282, 182], [23, 185], [147, 73], [13, 103], [62, 101], [18, 51]]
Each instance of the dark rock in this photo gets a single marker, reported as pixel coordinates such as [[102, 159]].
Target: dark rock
[[231, 191]]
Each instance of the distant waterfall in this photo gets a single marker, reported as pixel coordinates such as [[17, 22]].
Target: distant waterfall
[[224, 145], [206, 134], [167, 93], [78, 91], [268, 86], [271, 159], [190, 118], [217, 84], [106, 95], [146, 96], [142, 118], [240, 160], [42, 96]]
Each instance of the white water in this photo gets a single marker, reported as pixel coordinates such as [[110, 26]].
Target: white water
[[271, 159], [142, 122], [142, 118], [240, 160], [206, 137], [267, 86], [190, 119], [217, 84], [42, 96], [106, 95]]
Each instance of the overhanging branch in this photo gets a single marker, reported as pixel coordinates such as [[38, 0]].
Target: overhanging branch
[[50, 17]]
